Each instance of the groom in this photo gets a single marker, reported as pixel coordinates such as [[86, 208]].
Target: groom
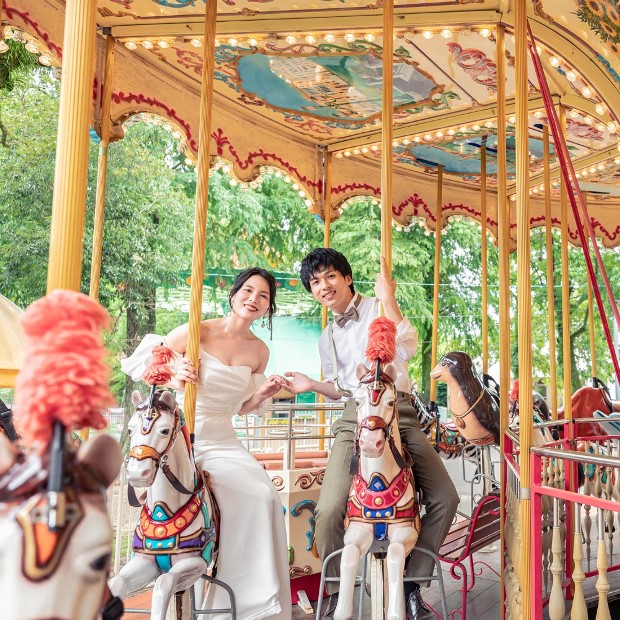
[[327, 274]]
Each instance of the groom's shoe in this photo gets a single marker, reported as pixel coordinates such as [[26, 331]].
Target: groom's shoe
[[415, 606], [331, 606]]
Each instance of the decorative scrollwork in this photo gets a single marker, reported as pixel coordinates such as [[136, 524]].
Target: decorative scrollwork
[[305, 481], [278, 482], [297, 509], [297, 571]]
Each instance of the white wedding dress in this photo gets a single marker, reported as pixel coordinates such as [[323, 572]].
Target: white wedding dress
[[253, 549]]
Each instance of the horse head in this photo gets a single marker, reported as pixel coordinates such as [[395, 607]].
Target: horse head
[[375, 400], [153, 430]]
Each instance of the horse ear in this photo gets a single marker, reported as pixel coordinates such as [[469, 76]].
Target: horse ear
[[136, 398], [103, 454], [390, 371], [168, 399], [361, 371], [8, 454]]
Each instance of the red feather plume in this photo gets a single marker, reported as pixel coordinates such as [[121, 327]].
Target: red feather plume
[[158, 372], [514, 392], [64, 376], [381, 340]]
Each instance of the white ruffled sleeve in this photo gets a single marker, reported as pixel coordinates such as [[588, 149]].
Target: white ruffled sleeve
[[136, 363], [256, 380]]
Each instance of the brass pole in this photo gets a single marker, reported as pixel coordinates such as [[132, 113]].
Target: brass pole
[[550, 291], [524, 301], [327, 218], [201, 207], [71, 175], [503, 242], [566, 354], [590, 286], [387, 133], [484, 260], [438, 212], [102, 169]]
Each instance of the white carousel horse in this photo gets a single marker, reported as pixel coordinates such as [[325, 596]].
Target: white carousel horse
[[175, 539], [55, 535], [56, 572], [382, 503]]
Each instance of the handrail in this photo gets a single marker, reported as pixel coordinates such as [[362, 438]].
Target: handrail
[[306, 407], [572, 455]]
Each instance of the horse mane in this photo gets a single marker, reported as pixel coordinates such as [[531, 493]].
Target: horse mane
[[158, 372], [381, 341], [65, 378]]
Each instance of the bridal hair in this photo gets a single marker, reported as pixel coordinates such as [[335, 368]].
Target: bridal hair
[[244, 276]]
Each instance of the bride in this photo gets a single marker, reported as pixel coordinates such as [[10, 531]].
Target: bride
[[252, 558]]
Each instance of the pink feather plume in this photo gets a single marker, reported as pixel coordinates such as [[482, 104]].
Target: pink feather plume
[[64, 376], [158, 372], [514, 392], [381, 340]]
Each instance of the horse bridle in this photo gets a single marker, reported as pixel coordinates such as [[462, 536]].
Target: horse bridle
[[142, 451], [376, 383]]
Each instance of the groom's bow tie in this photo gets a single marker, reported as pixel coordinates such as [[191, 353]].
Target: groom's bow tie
[[349, 315]]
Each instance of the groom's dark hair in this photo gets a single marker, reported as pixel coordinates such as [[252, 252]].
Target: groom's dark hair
[[321, 259]]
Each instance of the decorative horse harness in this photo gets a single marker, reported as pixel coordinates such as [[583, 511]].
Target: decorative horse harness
[[377, 500], [158, 532]]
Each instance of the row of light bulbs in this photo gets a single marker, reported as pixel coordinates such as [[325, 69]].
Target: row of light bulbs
[[29, 42], [292, 39]]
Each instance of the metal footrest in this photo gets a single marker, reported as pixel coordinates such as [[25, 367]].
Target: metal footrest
[[196, 613]]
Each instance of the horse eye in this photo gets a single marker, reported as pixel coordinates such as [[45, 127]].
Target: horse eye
[[391, 403], [101, 563], [165, 431], [443, 363]]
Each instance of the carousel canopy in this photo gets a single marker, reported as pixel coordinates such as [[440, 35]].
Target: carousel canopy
[[297, 80]]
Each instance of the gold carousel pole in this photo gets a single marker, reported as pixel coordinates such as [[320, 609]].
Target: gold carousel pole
[[524, 302], [327, 218], [550, 291], [484, 259], [201, 207], [102, 169], [503, 242], [566, 354], [387, 133], [70, 179], [591, 311], [438, 211]]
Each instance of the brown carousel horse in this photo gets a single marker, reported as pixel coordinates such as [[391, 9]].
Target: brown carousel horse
[[55, 535], [6, 422], [474, 406]]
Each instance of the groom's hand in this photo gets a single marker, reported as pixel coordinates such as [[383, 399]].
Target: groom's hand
[[298, 382]]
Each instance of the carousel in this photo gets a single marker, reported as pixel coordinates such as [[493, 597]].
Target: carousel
[[505, 112]]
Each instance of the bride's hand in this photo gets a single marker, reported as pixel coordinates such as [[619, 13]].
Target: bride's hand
[[272, 386], [186, 373]]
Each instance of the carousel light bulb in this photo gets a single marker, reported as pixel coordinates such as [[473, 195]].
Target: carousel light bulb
[[612, 127], [600, 167], [188, 162], [586, 92], [147, 45], [600, 126], [535, 190], [446, 33], [571, 76], [163, 44], [295, 186], [554, 62], [232, 182], [196, 42], [428, 137], [538, 114], [217, 42], [439, 134], [375, 147], [308, 202], [512, 120], [232, 42], [427, 34], [588, 120], [488, 124], [600, 108], [395, 143], [593, 169], [617, 160], [310, 38], [176, 135], [349, 37], [130, 45], [476, 127], [463, 128], [365, 149], [347, 153], [31, 46], [539, 50], [406, 141], [45, 60], [573, 114], [4, 48], [370, 37], [339, 155], [301, 193], [329, 37], [290, 39], [357, 151], [417, 139], [253, 42], [451, 132], [485, 32]]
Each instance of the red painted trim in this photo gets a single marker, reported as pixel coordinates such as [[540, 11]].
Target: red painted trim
[[11, 12]]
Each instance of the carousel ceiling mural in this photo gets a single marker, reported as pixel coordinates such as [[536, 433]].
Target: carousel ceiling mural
[[297, 80]]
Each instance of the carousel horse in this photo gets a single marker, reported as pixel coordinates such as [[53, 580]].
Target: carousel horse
[[55, 535], [175, 539], [585, 401], [6, 422], [474, 407], [382, 504]]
